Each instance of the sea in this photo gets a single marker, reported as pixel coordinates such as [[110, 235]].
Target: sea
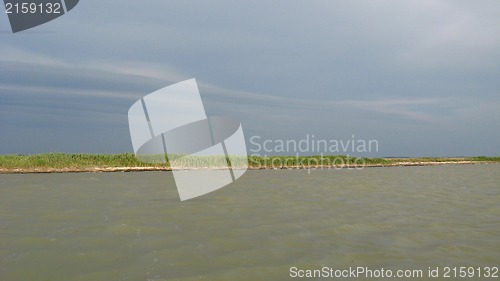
[[390, 223]]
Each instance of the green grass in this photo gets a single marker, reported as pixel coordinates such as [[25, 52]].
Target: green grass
[[311, 161], [88, 161], [61, 160], [486, 158]]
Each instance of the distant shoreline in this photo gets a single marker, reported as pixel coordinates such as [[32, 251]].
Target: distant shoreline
[[102, 163]]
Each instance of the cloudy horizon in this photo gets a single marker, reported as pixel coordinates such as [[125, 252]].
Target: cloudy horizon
[[420, 77]]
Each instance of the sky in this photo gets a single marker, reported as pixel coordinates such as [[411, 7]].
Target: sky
[[420, 77]]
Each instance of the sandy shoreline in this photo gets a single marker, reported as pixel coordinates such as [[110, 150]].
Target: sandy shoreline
[[150, 169]]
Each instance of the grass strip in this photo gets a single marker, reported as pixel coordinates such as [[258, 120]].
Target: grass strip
[[89, 161]]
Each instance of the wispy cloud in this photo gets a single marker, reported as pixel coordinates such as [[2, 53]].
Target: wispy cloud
[[393, 69], [400, 108]]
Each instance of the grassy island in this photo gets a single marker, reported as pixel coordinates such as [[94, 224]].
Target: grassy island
[[61, 162]]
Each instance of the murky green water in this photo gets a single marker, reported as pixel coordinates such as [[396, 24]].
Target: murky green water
[[132, 226]]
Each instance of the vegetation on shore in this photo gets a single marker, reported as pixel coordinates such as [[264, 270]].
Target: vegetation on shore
[[90, 162]]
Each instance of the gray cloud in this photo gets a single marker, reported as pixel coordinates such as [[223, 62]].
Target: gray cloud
[[420, 76]]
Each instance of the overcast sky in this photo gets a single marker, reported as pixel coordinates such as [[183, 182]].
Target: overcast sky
[[421, 77]]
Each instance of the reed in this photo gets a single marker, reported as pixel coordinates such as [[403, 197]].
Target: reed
[[88, 161]]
